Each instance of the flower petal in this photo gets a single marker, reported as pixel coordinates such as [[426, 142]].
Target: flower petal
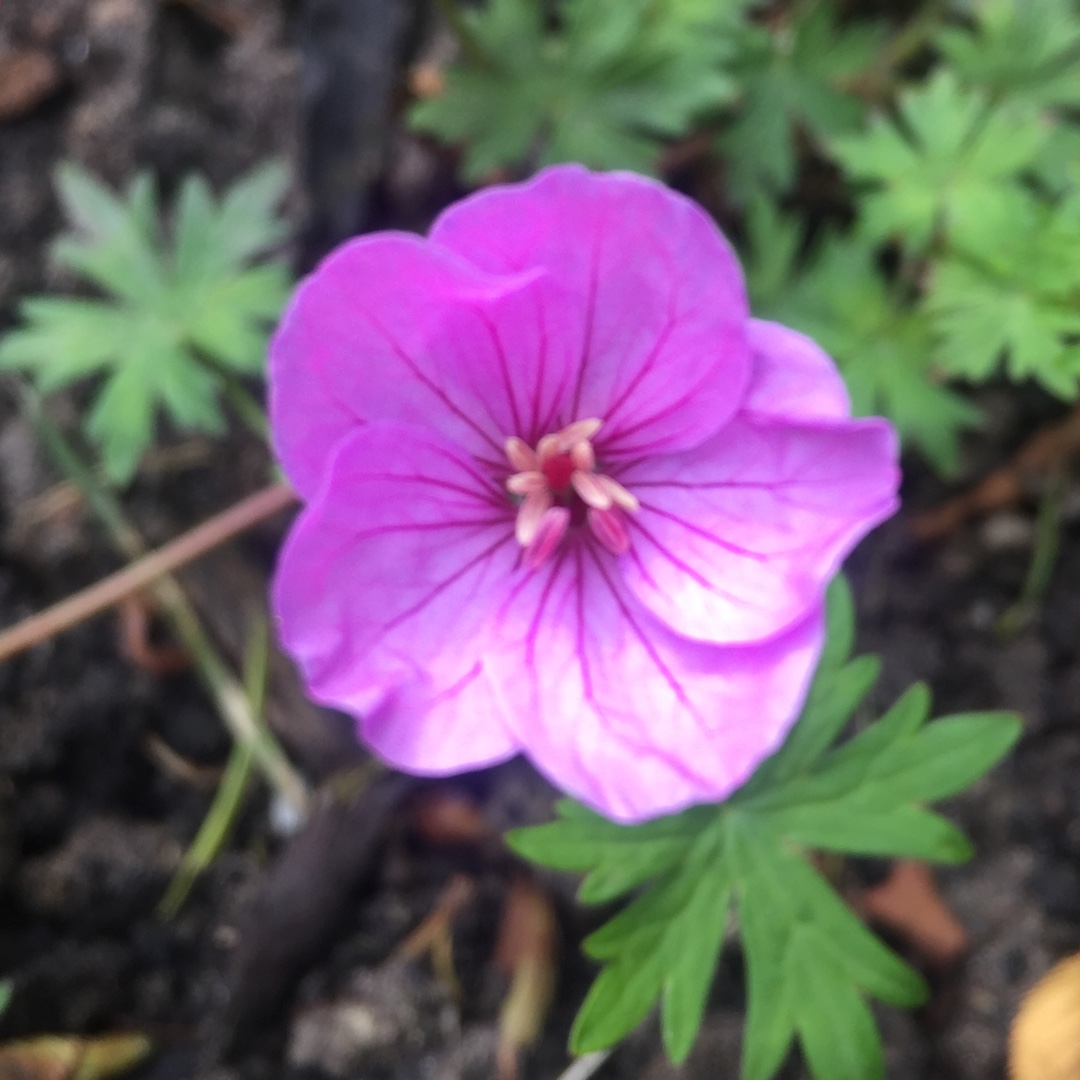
[[736, 541], [627, 716], [792, 377], [390, 327], [665, 361], [387, 574]]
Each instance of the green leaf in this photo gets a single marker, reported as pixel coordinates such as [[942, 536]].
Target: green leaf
[[885, 348], [615, 859], [946, 163], [122, 421], [811, 963], [1007, 293], [1019, 50], [173, 318], [793, 75], [248, 223], [64, 340], [606, 86], [665, 945]]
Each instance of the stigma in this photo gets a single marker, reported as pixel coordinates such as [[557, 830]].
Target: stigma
[[559, 486]]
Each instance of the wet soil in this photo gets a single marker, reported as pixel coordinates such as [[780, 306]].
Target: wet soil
[[285, 960]]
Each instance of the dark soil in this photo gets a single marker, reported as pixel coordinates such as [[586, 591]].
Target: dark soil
[[283, 963]]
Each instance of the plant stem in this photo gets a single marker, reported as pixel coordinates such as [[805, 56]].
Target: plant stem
[[224, 689], [584, 1067], [221, 817], [145, 570], [1043, 558], [879, 79], [916, 34]]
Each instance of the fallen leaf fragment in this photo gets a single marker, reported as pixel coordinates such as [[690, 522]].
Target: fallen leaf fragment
[[72, 1057], [908, 901], [526, 951], [27, 78], [1044, 1043]]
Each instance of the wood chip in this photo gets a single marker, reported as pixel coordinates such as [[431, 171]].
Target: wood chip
[[908, 902], [27, 78]]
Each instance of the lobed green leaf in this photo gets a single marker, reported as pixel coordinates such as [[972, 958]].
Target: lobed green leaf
[[173, 320], [811, 963]]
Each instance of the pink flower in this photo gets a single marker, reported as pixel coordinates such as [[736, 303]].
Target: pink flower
[[565, 497]]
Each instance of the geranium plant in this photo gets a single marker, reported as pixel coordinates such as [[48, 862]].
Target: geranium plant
[[565, 497]]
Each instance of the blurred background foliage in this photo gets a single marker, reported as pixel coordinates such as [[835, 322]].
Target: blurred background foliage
[[951, 254]]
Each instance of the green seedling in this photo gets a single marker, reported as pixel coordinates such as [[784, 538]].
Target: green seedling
[[178, 316]]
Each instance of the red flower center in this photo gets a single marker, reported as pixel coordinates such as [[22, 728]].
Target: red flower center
[[559, 487]]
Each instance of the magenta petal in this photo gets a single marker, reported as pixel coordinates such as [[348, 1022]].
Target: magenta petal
[[665, 359], [627, 716], [736, 541], [384, 590], [792, 377], [392, 328]]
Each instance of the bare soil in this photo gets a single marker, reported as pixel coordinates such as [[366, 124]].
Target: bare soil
[[283, 962]]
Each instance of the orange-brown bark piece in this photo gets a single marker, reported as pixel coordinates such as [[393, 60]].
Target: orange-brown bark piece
[[909, 903], [27, 78], [1048, 449]]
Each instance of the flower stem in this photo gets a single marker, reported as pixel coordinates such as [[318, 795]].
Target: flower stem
[[1043, 559], [219, 821], [144, 571], [583, 1067], [225, 690]]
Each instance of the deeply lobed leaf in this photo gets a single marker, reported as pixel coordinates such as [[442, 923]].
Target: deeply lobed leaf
[[792, 75], [171, 321], [884, 347], [605, 88], [946, 162], [811, 964]]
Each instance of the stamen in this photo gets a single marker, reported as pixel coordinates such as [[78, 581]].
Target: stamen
[[619, 495], [536, 504], [521, 455], [547, 447], [609, 528], [525, 483], [558, 485], [549, 533], [591, 490], [581, 454], [580, 431]]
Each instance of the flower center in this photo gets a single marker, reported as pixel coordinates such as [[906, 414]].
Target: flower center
[[559, 486]]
